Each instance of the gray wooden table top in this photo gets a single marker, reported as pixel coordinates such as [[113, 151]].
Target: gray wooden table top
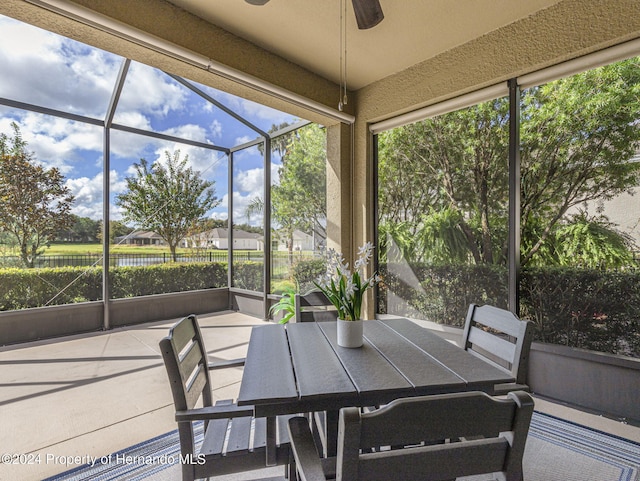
[[301, 368]]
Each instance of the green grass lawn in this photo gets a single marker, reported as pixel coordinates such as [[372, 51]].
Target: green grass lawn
[[83, 249]]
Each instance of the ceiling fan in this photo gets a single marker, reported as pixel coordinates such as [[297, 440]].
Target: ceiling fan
[[368, 12]]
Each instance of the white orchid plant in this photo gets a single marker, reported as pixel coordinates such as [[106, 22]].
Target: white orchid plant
[[344, 288]]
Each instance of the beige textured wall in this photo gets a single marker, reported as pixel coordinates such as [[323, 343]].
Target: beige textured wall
[[561, 32], [339, 188]]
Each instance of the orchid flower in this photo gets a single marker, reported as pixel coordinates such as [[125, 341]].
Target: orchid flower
[[344, 288]]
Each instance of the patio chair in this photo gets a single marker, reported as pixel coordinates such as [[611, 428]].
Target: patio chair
[[417, 426], [228, 445], [500, 338], [314, 306]]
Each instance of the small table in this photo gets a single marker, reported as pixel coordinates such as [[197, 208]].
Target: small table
[[301, 368]]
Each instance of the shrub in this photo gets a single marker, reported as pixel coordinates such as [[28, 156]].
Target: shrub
[[26, 288], [585, 308], [590, 309], [304, 272], [161, 278], [248, 275], [439, 294]]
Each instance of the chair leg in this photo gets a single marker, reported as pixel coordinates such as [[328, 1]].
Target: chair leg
[[319, 432], [291, 473]]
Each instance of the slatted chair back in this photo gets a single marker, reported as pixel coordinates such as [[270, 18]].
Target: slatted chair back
[[233, 441], [434, 438], [186, 362], [421, 424], [314, 306], [502, 339]]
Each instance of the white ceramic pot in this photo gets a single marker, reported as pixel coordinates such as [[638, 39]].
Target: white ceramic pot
[[349, 333]]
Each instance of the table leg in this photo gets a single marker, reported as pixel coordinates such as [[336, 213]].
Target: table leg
[[271, 441], [332, 432]]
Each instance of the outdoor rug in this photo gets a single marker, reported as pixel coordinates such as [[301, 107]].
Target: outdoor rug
[[557, 450]]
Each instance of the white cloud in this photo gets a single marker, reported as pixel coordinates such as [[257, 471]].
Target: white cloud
[[88, 196], [216, 129], [45, 69], [210, 163], [252, 180], [262, 112], [245, 139], [249, 187], [240, 203], [134, 119], [189, 132], [249, 180], [56, 142], [88, 193], [261, 115], [219, 215], [150, 91], [132, 146]]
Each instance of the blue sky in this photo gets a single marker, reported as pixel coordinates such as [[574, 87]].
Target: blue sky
[[42, 68]]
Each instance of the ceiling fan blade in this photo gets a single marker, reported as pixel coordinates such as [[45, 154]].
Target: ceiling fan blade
[[368, 13]]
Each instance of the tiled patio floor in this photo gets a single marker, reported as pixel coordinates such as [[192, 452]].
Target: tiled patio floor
[[95, 394]]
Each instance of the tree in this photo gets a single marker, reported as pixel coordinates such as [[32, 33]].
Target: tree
[[457, 163], [167, 198], [82, 229], [116, 229], [577, 135], [299, 200], [34, 202], [588, 242]]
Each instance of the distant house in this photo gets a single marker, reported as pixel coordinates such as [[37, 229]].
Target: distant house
[[623, 210], [301, 242], [141, 238], [218, 239]]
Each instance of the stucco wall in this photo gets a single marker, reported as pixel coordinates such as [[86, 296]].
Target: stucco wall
[[564, 31]]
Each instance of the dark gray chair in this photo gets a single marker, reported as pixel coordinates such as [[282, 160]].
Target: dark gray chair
[[416, 427], [228, 445], [500, 338], [314, 306]]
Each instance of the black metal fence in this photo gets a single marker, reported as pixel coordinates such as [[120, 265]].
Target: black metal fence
[[137, 260]]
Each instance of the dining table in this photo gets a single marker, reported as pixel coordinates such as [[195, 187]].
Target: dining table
[[300, 368]]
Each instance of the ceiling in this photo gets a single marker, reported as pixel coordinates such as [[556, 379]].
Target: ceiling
[[307, 32]]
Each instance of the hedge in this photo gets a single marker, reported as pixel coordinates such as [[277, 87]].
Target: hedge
[[248, 275], [305, 272], [25, 288], [589, 309]]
